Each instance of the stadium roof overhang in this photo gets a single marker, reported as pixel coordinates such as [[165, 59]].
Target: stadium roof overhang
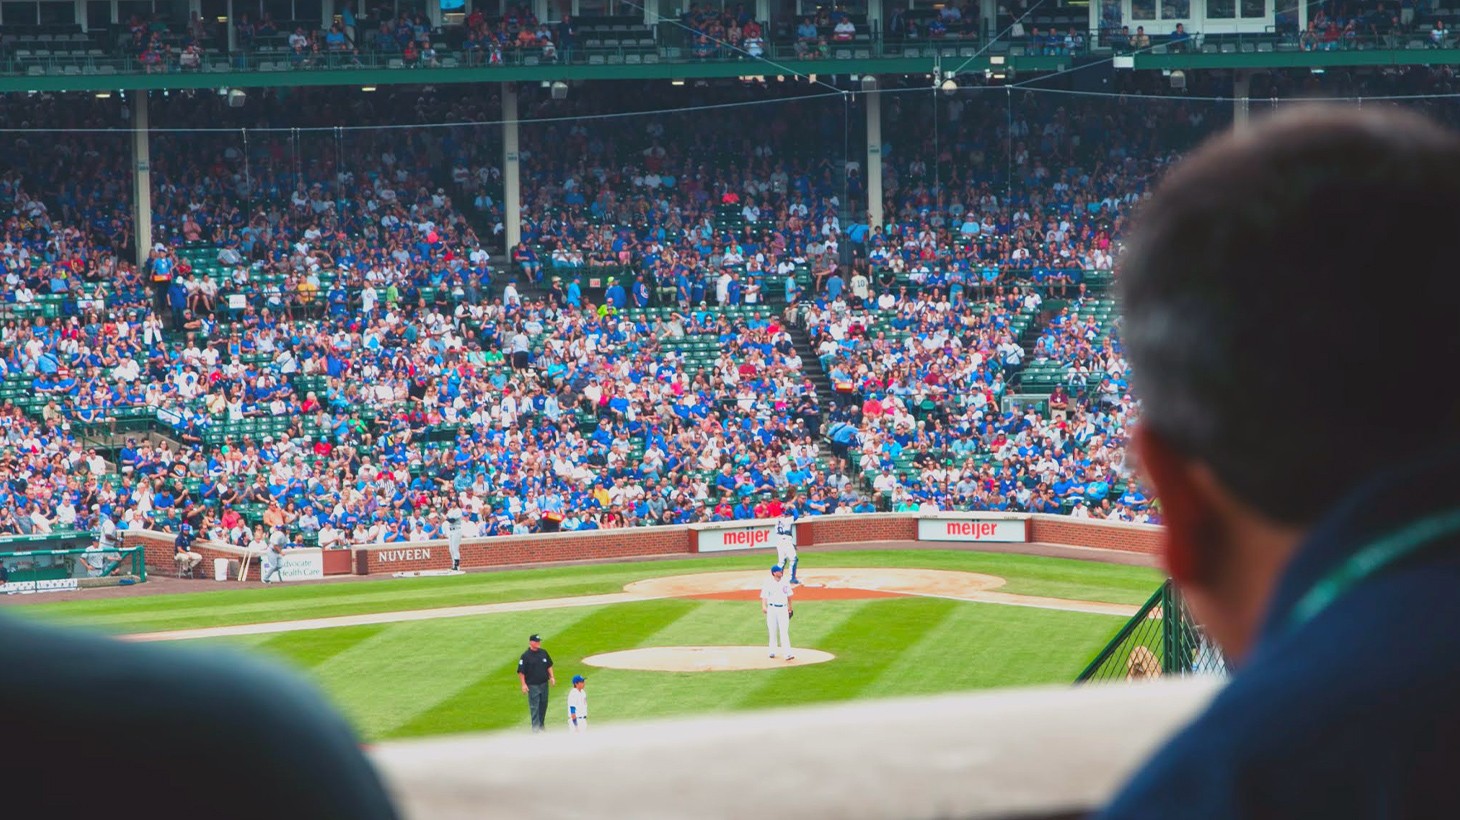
[[891, 65], [1356, 58], [375, 76]]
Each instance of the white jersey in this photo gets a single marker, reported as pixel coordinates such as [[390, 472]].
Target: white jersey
[[108, 534], [453, 524], [776, 591], [785, 526], [577, 701]]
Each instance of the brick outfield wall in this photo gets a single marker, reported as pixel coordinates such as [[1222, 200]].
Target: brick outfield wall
[[1109, 535], [523, 549], [645, 541], [157, 549]]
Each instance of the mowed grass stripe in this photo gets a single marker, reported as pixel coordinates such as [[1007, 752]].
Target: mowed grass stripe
[[493, 699], [310, 654], [988, 645], [1022, 654], [219, 606], [412, 667], [868, 639]]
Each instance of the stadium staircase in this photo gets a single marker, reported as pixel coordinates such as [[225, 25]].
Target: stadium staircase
[[811, 366]]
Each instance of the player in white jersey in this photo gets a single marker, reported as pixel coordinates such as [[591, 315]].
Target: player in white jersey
[[578, 706], [775, 602], [786, 545], [453, 537]]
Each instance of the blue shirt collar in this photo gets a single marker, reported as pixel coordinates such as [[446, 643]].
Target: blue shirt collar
[[1378, 506]]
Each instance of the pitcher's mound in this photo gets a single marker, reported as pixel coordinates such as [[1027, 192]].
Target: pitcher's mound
[[702, 659]]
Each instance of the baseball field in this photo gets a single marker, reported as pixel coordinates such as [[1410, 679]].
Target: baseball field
[[407, 657]]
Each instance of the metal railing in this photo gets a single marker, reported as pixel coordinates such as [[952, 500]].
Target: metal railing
[[37, 571]]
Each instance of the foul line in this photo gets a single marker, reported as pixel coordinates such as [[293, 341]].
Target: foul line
[[394, 616], [402, 616]]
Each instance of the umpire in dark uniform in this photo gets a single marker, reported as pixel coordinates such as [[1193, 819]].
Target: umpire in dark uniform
[[1313, 524], [535, 671]]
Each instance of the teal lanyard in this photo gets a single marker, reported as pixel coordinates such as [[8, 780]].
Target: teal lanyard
[[1370, 561]]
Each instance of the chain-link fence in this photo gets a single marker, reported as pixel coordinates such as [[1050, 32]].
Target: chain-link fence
[[1160, 639]]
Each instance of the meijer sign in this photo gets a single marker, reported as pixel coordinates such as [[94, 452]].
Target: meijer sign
[[972, 529], [738, 538]]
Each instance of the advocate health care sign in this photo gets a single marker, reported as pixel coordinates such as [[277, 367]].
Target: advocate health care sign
[[302, 564], [999, 530]]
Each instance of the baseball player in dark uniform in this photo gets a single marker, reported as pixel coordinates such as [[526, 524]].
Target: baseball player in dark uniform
[[535, 672]]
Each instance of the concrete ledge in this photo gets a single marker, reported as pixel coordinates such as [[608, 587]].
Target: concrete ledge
[[1045, 752]]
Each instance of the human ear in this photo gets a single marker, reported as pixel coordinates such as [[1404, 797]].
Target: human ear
[[1186, 508]]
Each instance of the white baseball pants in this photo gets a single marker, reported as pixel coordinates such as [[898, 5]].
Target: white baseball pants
[[785, 551], [778, 624]]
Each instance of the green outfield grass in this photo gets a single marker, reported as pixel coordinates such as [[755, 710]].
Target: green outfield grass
[[458, 675], [452, 675], [1027, 575]]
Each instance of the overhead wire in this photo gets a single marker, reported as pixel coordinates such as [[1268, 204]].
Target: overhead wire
[[997, 38]]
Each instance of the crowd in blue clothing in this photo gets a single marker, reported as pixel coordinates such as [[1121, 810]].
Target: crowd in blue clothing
[[371, 380]]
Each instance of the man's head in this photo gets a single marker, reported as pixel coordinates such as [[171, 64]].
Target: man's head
[[535, 641], [1255, 299], [777, 571]]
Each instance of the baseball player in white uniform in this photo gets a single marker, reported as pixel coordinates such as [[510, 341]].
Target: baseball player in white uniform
[[578, 706], [453, 537], [786, 545], [775, 602]]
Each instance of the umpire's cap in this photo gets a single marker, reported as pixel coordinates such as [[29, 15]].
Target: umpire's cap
[[534, 638]]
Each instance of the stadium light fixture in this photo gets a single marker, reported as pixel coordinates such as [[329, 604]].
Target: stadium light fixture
[[996, 59], [103, 95], [367, 88], [676, 82]]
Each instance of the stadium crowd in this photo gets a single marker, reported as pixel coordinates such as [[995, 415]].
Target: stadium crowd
[[324, 335]]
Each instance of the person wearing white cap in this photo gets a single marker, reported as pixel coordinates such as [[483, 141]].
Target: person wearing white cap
[[775, 602]]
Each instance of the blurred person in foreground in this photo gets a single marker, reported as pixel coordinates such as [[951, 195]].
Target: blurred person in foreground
[[192, 733], [1314, 531]]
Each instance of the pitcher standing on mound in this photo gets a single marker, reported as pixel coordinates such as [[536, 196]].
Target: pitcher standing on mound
[[775, 602]]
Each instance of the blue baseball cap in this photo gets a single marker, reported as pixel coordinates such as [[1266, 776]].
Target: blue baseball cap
[[577, 679], [777, 568]]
